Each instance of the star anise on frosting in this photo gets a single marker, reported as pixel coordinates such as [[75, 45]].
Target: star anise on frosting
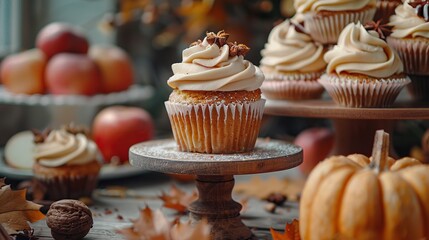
[[237, 49], [421, 8], [383, 30], [75, 129], [40, 136], [219, 38]]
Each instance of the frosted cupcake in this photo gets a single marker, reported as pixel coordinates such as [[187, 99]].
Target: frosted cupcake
[[65, 162], [216, 104], [385, 9], [325, 19], [363, 71], [410, 38], [292, 63]]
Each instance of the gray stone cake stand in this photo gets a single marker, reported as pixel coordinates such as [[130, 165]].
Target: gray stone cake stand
[[215, 177]]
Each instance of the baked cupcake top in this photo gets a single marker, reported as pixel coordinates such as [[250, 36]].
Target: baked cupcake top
[[303, 6], [61, 147], [289, 49], [409, 21], [362, 52], [215, 65]]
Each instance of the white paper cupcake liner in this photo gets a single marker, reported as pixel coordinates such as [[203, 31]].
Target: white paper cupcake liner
[[212, 128], [292, 89], [414, 53], [365, 93], [327, 28]]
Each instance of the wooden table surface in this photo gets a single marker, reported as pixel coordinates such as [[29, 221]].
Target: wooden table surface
[[148, 186]]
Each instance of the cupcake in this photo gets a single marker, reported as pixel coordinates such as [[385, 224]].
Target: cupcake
[[216, 104], [363, 71], [65, 163], [292, 63], [385, 9], [410, 38], [325, 19]]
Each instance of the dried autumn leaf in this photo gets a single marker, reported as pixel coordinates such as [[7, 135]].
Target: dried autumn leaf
[[15, 210], [153, 225], [260, 188], [178, 200], [291, 232]]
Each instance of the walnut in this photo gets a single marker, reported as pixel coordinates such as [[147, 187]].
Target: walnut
[[69, 219]]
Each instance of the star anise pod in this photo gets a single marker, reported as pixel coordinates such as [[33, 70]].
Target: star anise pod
[[299, 27], [421, 8], [219, 38], [75, 129], [237, 49], [383, 30], [40, 136]]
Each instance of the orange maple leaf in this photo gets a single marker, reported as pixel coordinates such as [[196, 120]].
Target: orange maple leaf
[[178, 200], [15, 210], [291, 232]]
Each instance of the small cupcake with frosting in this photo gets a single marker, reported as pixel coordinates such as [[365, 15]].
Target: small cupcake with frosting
[[363, 71], [325, 19], [410, 38], [216, 104], [65, 163], [292, 63]]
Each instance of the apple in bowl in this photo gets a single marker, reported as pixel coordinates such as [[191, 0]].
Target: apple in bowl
[[115, 129], [24, 72], [115, 66], [70, 73], [60, 37]]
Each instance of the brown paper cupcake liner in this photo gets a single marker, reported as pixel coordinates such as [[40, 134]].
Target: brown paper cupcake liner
[[365, 93], [205, 128], [419, 87], [385, 9], [326, 28], [68, 187], [414, 53], [292, 89]]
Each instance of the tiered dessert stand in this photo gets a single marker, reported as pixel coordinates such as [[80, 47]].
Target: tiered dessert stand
[[215, 177], [354, 127]]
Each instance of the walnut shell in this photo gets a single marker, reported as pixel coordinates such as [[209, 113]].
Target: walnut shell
[[69, 219]]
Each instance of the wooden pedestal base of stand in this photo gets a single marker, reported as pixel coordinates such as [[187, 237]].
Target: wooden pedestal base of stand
[[215, 177], [217, 206]]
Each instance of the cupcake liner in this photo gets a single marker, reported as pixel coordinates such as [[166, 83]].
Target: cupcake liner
[[326, 28], [364, 93], [292, 89], [214, 128], [419, 87], [414, 53], [385, 9]]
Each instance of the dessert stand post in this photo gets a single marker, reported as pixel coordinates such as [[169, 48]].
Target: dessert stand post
[[354, 127], [215, 177]]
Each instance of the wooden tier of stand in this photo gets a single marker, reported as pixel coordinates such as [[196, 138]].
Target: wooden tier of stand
[[215, 177], [354, 127]]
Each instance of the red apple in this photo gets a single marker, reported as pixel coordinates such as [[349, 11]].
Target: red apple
[[69, 73], [115, 66], [24, 72], [58, 37], [316, 143], [115, 129]]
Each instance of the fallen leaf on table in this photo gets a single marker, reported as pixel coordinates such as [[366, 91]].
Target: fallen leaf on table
[[262, 188], [291, 232], [178, 200], [153, 225], [15, 210]]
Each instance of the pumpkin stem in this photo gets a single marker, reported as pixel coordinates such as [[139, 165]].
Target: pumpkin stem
[[380, 151]]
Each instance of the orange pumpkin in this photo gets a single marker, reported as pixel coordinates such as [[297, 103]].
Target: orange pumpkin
[[355, 198]]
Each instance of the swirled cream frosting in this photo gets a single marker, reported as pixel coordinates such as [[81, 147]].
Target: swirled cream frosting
[[210, 67], [406, 23], [303, 6], [290, 50], [63, 148], [363, 52]]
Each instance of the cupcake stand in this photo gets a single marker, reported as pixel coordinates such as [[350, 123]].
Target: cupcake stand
[[354, 127], [215, 177]]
